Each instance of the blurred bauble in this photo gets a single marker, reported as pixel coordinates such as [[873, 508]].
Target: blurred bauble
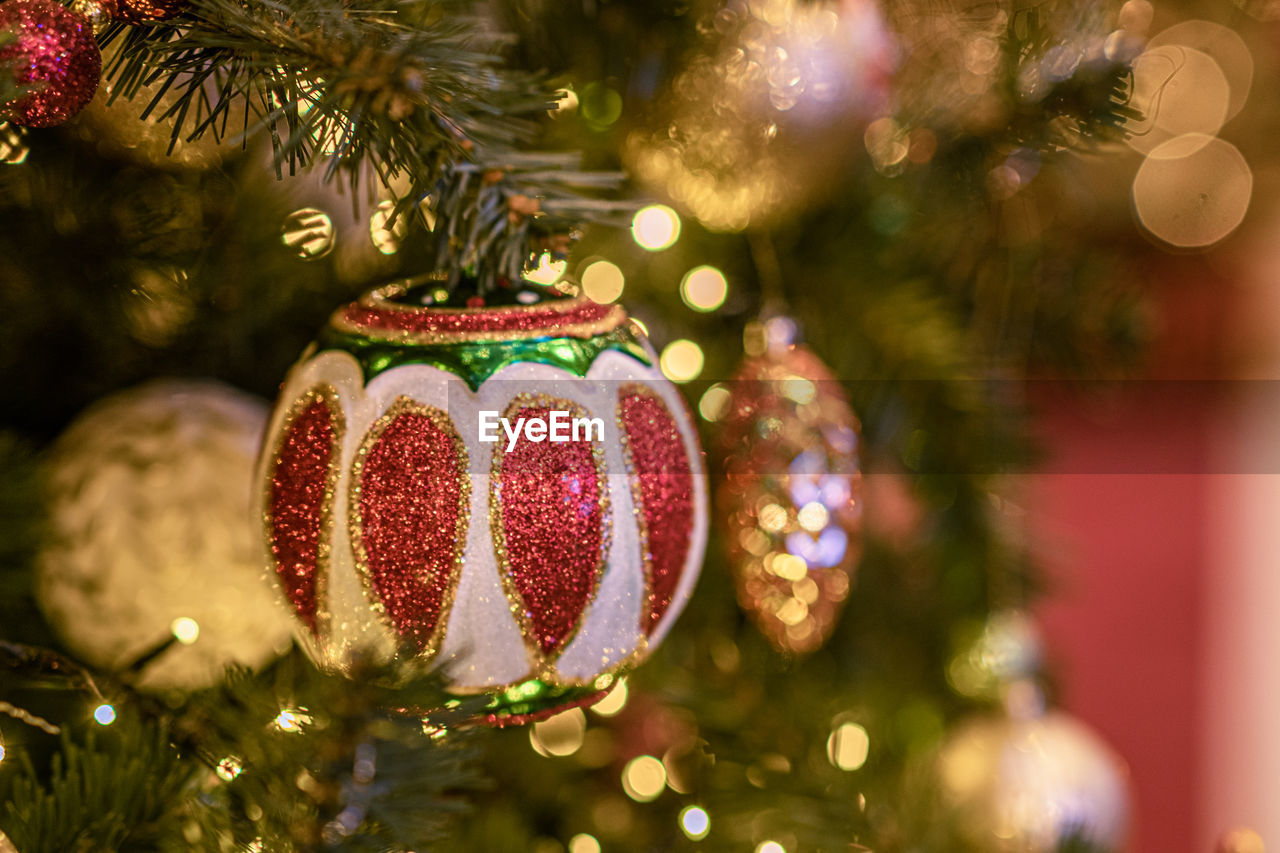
[[150, 522], [790, 501], [115, 128], [1029, 784], [99, 13], [55, 54], [147, 11], [533, 570], [1241, 840]]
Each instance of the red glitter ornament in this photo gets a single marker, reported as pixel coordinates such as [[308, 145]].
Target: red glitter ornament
[[55, 55], [463, 520]]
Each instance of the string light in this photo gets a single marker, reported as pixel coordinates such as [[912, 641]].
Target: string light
[[655, 227], [704, 288], [104, 714], [229, 768], [695, 822], [186, 629], [291, 720]]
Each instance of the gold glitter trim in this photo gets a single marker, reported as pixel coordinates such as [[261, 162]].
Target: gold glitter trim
[[441, 419], [543, 665], [380, 299], [337, 421]]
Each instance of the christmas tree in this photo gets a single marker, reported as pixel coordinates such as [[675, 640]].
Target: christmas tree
[[845, 234]]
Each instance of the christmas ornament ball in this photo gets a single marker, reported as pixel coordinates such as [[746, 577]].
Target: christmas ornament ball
[[151, 535], [55, 54], [1027, 784], [502, 484]]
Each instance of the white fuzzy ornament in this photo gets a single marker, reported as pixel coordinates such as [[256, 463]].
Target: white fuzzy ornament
[[150, 523]]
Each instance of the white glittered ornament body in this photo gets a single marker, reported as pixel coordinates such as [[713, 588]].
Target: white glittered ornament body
[[149, 523], [1027, 784], [538, 567]]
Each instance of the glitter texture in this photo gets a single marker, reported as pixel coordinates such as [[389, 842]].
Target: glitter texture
[[56, 54], [379, 317], [550, 516], [790, 501], [146, 11], [409, 517], [300, 499], [662, 486]]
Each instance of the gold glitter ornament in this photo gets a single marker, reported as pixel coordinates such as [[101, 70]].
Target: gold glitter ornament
[[790, 500], [535, 565]]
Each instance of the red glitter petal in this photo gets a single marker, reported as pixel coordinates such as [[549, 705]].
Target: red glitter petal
[[548, 505], [299, 500], [411, 520], [663, 486]]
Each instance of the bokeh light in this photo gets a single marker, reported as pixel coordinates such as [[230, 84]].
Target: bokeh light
[[1178, 90], [643, 778], [291, 720], [603, 282], [695, 822], [655, 227], [104, 714], [681, 360], [547, 271], [704, 288], [1192, 191], [714, 402], [386, 234], [584, 843], [614, 701], [1224, 46], [770, 847], [848, 745], [186, 629], [309, 232], [559, 735], [229, 768]]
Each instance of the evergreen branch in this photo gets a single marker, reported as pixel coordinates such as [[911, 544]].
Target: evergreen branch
[[408, 91], [496, 216]]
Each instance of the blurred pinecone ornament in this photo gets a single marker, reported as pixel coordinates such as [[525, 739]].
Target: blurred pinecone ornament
[[151, 537], [790, 501]]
